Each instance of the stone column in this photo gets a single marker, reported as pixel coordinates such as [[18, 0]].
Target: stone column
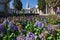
[[46, 9]]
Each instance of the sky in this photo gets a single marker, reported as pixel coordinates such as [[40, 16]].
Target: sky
[[32, 3]]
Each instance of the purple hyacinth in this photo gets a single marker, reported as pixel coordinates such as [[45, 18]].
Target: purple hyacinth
[[1, 28], [48, 27], [11, 25], [40, 24], [30, 36], [5, 21], [44, 20], [15, 28], [36, 23], [20, 37]]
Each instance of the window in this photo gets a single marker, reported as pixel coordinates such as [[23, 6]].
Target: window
[[1, 7], [1, 0]]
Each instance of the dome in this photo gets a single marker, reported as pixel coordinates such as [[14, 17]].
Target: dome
[[36, 6]]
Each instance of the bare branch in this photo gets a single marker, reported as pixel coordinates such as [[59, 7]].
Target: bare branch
[[56, 3]]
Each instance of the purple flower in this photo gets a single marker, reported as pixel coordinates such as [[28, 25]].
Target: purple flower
[[48, 27], [36, 23], [20, 37], [11, 25], [40, 24], [30, 36], [44, 20], [1, 28], [15, 28], [6, 21]]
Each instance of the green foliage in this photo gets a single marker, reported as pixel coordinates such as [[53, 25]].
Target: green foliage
[[34, 29], [57, 22], [9, 34], [41, 4], [18, 4], [52, 37], [52, 3]]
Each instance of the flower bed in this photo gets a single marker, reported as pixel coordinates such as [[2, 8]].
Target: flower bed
[[29, 28]]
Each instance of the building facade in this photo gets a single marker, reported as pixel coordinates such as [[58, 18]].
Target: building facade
[[4, 5], [28, 9]]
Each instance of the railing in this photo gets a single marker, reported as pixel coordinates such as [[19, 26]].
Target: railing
[[13, 11]]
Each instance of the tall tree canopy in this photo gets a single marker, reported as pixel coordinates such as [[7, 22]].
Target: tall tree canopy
[[41, 4], [52, 3], [18, 4]]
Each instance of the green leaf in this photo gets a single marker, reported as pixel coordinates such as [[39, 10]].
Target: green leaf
[[5, 38], [57, 33], [58, 39], [11, 35], [27, 25], [49, 38], [58, 30]]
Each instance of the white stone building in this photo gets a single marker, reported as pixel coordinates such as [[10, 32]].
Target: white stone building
[[35, 9], [31, 10], [28, 9]]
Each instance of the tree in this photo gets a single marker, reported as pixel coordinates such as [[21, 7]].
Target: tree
[[41, 4], [18, 4], [51, 4]]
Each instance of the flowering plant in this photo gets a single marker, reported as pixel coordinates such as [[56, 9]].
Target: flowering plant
[[31, 30]]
